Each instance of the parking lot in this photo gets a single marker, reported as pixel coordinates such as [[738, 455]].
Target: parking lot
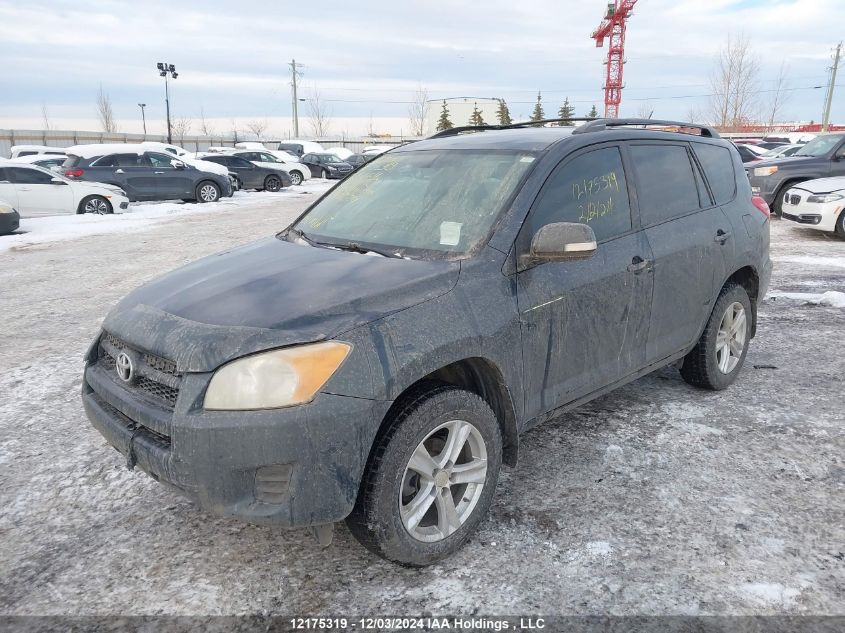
[[655, 499]]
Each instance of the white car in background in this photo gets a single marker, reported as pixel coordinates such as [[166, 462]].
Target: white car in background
[[53, 162], [341, 152], [784, 151], [181, 152], [815, 204], [33, 150], [298, 172], [35, 191], [370, 150]]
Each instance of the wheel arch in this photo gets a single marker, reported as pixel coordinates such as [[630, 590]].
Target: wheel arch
[[748, 278], [481, 377]]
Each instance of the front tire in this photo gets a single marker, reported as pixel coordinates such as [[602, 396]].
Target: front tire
[[96, 205], [208, 192], [431, 477], [295, 178], [324, 174], [715, 362], [840, 225]]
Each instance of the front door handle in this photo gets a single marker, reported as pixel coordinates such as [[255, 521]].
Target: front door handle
[[638, 265], [722, 236], [158, 173], [119, 171]]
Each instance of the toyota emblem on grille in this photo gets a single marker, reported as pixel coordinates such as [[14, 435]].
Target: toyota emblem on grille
[[124, 367]]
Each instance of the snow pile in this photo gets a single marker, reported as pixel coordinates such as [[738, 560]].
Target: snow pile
[[831, 298], [140, 216]]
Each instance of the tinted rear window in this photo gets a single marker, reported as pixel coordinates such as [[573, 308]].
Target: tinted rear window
[[718, 167], [665, 182]]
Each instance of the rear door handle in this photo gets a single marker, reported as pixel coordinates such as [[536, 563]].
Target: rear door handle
[[638, 265], [119, 171], [722, 236], [159, 172]]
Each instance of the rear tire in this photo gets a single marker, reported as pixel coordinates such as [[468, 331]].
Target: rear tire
[[95, 205], [431, 477], [272, 183], [716, 360], [208, 192]]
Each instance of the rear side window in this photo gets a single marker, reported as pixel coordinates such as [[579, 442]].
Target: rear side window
[[666, 184], [589, 189], [121, 160], [24, 176], [718, 167]]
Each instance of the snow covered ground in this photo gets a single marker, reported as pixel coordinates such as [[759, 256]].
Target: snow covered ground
[[655, 499]]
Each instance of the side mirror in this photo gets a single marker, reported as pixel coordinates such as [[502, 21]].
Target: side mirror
[[178, 164], [561, 241], [57, 181]]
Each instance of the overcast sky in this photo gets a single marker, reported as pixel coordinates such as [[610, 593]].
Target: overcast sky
[[367, 57]]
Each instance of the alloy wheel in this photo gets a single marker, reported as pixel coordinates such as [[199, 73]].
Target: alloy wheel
[[443, 481], [730, 339], [96, 205], [295, 178], [208, 193]]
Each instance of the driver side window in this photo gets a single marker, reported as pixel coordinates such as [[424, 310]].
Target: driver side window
[[588, 189]]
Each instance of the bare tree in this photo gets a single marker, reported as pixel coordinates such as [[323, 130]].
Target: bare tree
[[695, 115], [319, 114], [206, 128], [235, 131], [45, 117], [181, 127], [418, 111], [779, 95], [734, 83], [257, 127], [645, 110], [104, 111]]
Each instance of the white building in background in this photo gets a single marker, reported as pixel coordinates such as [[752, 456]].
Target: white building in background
[[460, 109]]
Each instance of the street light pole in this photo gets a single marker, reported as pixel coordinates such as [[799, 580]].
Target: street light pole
[[830, 88], [294, 69], [165, 69], [143, 118]]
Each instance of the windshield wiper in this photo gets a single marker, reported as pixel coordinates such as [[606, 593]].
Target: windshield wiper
[[299, 233], [354, 247]]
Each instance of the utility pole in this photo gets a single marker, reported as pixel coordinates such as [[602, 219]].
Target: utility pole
[[829, 101], [294, 71], [143, 118]]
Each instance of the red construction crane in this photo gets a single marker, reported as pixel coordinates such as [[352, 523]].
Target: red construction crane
[[613, 27]]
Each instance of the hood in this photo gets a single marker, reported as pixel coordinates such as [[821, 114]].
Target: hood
[[781, 162], [822, 185], [269, 294]]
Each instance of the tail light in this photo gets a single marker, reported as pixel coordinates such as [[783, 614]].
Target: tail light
[[761, 205], [74, 173]]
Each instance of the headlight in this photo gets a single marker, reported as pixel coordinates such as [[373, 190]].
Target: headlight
[[765, 171], [331, 167], [280, 378], [825, 198]]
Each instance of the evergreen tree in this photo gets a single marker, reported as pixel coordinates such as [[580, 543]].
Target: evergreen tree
[[503, 114], [443, 123], [593, 113], [475, 118], [566, 112], [538, 114]]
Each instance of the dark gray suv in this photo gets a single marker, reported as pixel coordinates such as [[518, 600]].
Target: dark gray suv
[[377, 360], [147, 175]]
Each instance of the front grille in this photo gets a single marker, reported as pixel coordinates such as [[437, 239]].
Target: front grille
[[156, 377], [795, 200]]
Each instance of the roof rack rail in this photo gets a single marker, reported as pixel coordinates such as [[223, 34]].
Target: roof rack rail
[[600, 125], [455, 131]]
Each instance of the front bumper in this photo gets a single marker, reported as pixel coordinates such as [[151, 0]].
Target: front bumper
[[9, 222], [291, 467]]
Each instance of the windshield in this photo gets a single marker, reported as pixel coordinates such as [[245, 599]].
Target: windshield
[[330, 158], [819, 146], [436, 200]]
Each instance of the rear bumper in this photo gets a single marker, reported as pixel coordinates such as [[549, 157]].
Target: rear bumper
[[9, 222], [290, 467]]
